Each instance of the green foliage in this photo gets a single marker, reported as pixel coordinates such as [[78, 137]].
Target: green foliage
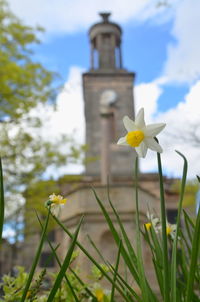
[[180, 254], [191, 189], [26, 84], [13, 287], [22, 80]]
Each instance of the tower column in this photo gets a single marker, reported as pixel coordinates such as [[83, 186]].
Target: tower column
[[92, 56], [105, 148], [108, 97]]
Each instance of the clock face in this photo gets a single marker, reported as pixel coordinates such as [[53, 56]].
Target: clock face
[[108, 97]]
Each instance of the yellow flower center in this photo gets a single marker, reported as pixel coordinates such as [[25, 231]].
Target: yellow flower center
[[168, 230], [134, 138], [148, 226]]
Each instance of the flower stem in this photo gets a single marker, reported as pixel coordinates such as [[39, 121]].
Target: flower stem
[[164, 234], [1, 202], [36, 259], [143, 283]]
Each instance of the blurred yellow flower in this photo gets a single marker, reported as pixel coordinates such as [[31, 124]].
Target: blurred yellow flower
[[148, 225], [171, 230], [57, 199], [99, 294]]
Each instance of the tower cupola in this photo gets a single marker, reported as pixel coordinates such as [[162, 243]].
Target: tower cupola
[[105, 39]]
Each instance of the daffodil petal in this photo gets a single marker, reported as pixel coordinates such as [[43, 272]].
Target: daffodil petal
[[122, 141], [141, 150], [129, 124], [153, 129], [139, 120], [153, 145]]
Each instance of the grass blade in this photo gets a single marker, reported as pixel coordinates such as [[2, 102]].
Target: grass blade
[[91, 258], [143, 281], [117, 240], [174, 249], [193, 261], [88, 291], [1, 201], [59, 263], [36, 259], [164, 234], [124, 234], [115, 273], [64, 265]]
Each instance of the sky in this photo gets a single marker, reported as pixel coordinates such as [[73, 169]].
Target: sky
[[161, 44]]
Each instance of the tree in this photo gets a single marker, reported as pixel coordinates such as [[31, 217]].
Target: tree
[[24, 85], [23, 82]]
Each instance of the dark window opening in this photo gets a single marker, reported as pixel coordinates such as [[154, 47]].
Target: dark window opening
[[51, 236], [172, 215], [46, 259]]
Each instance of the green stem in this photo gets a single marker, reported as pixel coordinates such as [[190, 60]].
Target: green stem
[[91, 259], [174, 251], [65, 265], [194, 259], [1, 202], [138, 238], [36, 259], [164, 233]]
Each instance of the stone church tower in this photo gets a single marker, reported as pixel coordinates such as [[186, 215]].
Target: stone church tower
[[108, 96]]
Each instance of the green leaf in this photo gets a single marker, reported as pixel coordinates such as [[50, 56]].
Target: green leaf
[[193, 260], [164, 235], [174, 248], [84, 250], [65, 264], [36, 259], [1, 202]]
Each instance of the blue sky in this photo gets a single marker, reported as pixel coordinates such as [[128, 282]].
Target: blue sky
[[161, 44]]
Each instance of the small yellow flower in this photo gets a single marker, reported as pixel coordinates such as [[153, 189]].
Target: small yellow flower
[[171, 230], [99, 294], [57, 199], [55, 202], [148, 225], [168, 230]]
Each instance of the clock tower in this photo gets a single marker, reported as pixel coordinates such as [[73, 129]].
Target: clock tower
[[108, 97]]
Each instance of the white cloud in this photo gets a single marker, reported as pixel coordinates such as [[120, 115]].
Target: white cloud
[[68, 16], [179, 121], [183, 63], [68, 119], [69, 115], [146, 96]]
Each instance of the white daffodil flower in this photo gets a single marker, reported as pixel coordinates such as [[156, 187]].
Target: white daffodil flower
[[141, 136], [153, 222], [171, 230]]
